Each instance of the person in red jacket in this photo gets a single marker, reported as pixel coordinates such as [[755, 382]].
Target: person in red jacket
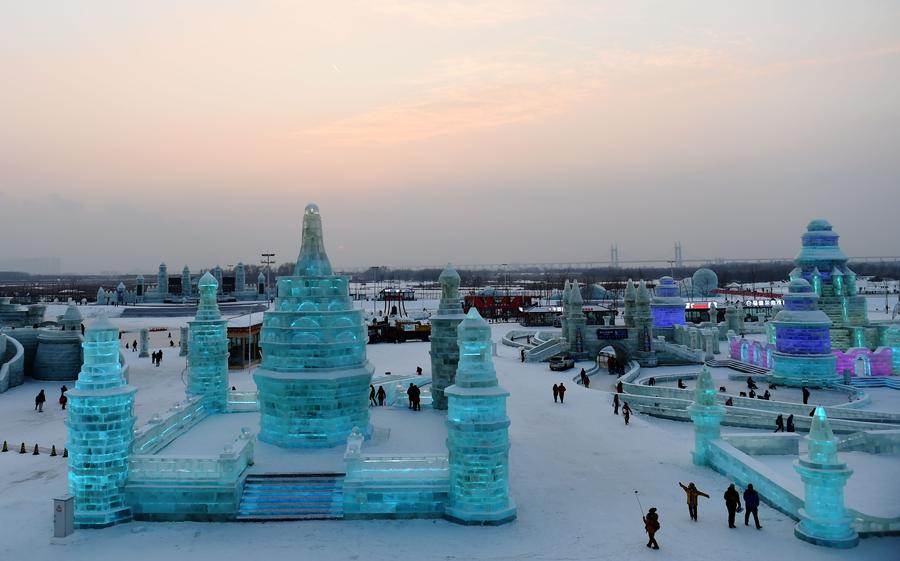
[[651, 525]]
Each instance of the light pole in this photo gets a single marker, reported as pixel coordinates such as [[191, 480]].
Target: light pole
[[267, 261]]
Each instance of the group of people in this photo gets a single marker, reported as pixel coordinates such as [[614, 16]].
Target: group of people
[[732, 505], [156, 357], [41, 398], [615, 366], [377, 398], [585, 379], [559, 393], [779, 424], [414, 393], [626, 410]]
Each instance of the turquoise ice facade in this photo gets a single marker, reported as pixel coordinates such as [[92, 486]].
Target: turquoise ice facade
[[823, 518], [314, 379], [208, 348], [707, 414], [477, 433], [802, 354], [100, 422], [444, 344]]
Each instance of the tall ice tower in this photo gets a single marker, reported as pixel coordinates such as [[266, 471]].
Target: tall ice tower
[[314, 379], [444, 347], [208, 347]]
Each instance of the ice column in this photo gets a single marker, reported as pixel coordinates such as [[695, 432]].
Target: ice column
[[186, 282], [100, 422], [208, 348], [183, 343], [706, 414], [144, 349], [162, 281], [240, 278], [823, 518], [314, 379], [477, 433], [444, 343]]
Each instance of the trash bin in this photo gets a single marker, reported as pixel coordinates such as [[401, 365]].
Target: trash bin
[[63, 516]]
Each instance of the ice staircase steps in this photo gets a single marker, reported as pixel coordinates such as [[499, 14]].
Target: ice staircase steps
[[739, 366], [292, 496]]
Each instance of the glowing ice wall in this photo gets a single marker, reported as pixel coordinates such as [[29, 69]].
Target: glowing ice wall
[[100, 422], [803, 345], [314, 379], [667, 307], [208, 348], [477, 433], [444, 344], [823, 518]]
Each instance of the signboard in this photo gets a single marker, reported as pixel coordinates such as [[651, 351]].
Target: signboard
[[612, 333]]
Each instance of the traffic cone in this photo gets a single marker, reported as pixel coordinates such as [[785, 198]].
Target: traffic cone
[[53, 450], [22, 449], [65, 452], [36, 452], [5, 447]]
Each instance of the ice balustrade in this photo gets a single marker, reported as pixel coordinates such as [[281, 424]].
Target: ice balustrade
[[242, 401], [162, 430], [223, 467]]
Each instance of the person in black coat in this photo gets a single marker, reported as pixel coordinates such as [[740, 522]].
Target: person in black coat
[[751, 506], [562, 392], [805, 391], [615, 404], [417, 398], [555, 393], [381, 395], [779, 423], [620, 387], [681, 384], [372, 395], [790, 424], [410, 391], [39, 400], [626, 412], [732, 503]]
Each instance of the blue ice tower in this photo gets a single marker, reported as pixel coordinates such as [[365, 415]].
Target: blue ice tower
[[802, 354], [477, 433], [100, 422], [208, 348], [823, 518], [707, 414], [444, 343], [314, 379], [667, 306]]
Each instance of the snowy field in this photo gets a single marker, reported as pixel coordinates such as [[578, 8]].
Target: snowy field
[[574, 469]]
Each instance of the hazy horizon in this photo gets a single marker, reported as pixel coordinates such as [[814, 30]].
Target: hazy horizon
[[524, 131]]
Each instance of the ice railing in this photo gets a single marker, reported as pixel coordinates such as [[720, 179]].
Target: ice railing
[[161, 430], [227, 466], [242, 401], [12, 370], [512, 338], [391, 466]]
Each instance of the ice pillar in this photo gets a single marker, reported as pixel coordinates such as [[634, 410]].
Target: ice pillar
[[208, 348], [477, 433], [144, 343], [183, 343], [707, 415], [444, 345], [186, 282], [100, 422], [823, 518]]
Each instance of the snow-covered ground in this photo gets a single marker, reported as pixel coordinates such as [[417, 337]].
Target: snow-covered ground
[[574, 470]]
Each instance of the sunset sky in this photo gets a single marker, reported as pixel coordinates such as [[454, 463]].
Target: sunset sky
[[195, 132]]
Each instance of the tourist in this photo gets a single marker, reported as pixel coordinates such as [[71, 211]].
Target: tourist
[[522, 354], [417, 398], [766, 395], [171, 343], [626, 412], [805, 391], [751, 385], [372, 395], [790, 424], [752, 394], [159, 355], [651, 525], [39, 401], [779, 423], [681, 384], [615, 404], [732, 503], [620, 387], [410, 391], [134, 345], [63, 400], [381, 395], [555, 393], [651, 381], [751, 504], [692, 495], [729, 401], [722, 389], [562, 392], [170, 334], [418, 370]]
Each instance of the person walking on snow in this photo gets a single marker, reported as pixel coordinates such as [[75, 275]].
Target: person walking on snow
[[522, 355], [651, 525], [409, 394], [372, 395], [805, 391], [381, 395], [751, 505], [562, 392], [39, 400], [63, 400], [692, 495], [779, 423], [732, 503], [555, 393], [626, 412], [615, 404]]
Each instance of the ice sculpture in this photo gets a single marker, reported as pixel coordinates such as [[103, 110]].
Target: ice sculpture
[[100, 422], [183, 341], [314, 379], [162, 282], [444, 345], [186, 282], [144, 349], [477, 433], [573, 321], [667, 307], [630, 297], [139, 288], [208, 348], [707, 416], [240, 278], [802, 340], [823, 518]]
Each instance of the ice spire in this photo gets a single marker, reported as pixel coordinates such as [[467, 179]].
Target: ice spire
[[208, 309], [312, 261]]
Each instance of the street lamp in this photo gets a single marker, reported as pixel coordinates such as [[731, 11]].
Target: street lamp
[[267, 261]]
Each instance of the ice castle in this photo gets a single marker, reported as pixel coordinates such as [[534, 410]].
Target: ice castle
[[314, 379]]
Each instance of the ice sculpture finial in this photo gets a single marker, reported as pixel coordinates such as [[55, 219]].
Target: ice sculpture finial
[[208, 309], [822, 443], [575, 296], [705, 392], [312, 261]]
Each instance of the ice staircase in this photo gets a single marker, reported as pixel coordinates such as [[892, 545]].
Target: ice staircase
[[739, 366], [292, 496], [546, 350]]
